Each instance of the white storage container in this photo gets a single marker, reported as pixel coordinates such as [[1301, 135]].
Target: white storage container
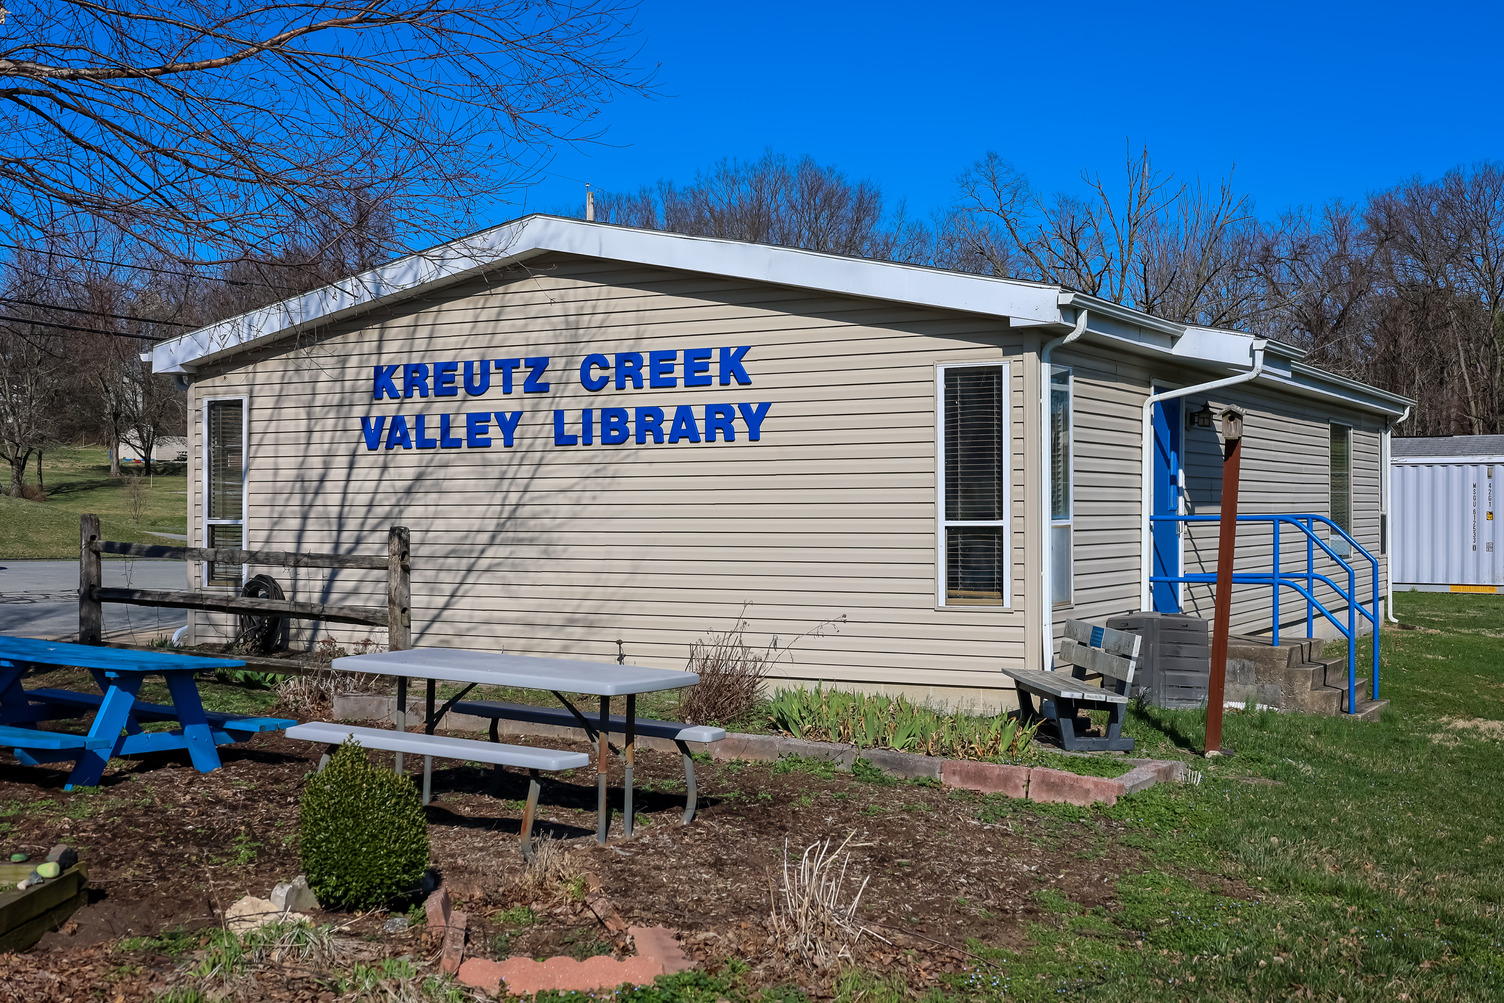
[[1446, 516]]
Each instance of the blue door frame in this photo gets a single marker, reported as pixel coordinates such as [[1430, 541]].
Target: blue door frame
[[1165, 534]]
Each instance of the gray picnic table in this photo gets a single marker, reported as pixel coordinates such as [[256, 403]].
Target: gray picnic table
[[555, 675]]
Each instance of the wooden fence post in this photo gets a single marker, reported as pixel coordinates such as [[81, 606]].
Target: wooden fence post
[[90, 614], [399, 589]]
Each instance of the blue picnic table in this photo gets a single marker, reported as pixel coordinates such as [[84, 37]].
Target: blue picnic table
[[118, 715]]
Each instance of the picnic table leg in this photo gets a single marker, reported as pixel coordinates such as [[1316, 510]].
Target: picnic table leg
[[689, 781], [529, 812], [603, 750], [401, 720], [114, 712], [198, 738], [629, 752], [428, 760]]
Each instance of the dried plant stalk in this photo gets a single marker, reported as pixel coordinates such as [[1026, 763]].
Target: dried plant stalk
[[811, 916]]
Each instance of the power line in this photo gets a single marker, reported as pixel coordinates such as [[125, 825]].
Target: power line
[[93, 313], [83, 330], [145, 268]]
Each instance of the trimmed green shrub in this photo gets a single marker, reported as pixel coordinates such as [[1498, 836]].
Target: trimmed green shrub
[[362, 833]]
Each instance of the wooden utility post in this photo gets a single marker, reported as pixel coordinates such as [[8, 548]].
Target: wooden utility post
[[90, 577], [1227, 541]]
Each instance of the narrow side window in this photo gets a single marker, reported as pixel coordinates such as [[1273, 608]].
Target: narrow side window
[[973, 448], [224, 485], [1341, 501]]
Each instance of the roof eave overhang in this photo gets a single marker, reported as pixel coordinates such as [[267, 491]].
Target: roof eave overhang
[[424, 272], [1224, 353]]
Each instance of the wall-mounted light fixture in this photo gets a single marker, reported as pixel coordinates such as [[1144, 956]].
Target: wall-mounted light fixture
[[1205, 418]]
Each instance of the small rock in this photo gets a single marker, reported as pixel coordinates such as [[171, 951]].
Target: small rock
[[294, 895], [63, 855], [395, 925], [252, 913], [18, 858]]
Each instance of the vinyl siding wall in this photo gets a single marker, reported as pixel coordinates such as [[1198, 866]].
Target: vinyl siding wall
[[1285, 469], [826, 525]]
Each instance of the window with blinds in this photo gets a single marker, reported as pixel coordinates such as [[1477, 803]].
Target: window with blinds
[[1341, 506], [1061, 487], [973, 452], [224, 485]]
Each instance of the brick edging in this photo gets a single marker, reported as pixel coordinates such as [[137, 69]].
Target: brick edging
[[1035, 783]]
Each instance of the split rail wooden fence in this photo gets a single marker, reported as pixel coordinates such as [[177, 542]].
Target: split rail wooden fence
[[396, 616]]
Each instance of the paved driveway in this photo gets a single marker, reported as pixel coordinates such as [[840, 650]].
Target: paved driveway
[[40, 598]]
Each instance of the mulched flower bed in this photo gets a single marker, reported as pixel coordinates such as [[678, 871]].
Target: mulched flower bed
[[169, 849]]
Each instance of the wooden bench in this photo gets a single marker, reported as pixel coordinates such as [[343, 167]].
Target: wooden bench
[[569, 717], [535, 761], [68, 703], [1091, 651]]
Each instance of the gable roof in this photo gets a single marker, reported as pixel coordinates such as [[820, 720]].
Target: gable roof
[[1023, 303]]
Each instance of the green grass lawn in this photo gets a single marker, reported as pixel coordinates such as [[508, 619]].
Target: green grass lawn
[[1327, 859], [78, 481]]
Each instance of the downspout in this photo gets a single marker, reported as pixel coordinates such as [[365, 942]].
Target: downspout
[[1047, 536], [1386, 458], [1146, 475]]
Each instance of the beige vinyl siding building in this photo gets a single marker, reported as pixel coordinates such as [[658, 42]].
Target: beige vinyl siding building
[[837, 524]]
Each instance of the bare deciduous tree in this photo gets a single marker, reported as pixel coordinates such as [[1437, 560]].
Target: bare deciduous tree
[[211, 128], [1165, 247], [773, 201]]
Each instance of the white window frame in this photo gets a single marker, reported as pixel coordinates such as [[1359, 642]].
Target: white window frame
[[1069, 522], [1006, 522], [1334, 539], [245, 469]]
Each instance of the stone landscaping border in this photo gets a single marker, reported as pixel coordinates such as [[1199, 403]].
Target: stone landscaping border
[[1034, 783]]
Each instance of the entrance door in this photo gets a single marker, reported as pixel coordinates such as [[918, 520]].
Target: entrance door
[[1165, 536]]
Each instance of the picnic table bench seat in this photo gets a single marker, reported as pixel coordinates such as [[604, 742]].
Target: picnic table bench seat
[[12, 737], [533, 760], [69, 703], [1092, 652], [568, 717]]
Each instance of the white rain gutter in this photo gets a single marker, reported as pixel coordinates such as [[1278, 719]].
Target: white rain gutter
[[1047, 537], [1146, 476], [1386, 461]]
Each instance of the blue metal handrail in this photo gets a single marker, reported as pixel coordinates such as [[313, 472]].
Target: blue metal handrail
[[1304, 584]]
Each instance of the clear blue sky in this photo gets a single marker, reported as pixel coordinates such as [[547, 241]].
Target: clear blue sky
[[1309, 100]]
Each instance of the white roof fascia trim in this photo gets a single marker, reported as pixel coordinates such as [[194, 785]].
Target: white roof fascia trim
[[1278, 369], [1106, 308], [1479, 459], [908, 284], [1383, 400]]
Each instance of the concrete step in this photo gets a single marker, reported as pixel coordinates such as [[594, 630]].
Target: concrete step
[[1321, 700], [1329, 673], [1368, 710], [1336, 673]]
